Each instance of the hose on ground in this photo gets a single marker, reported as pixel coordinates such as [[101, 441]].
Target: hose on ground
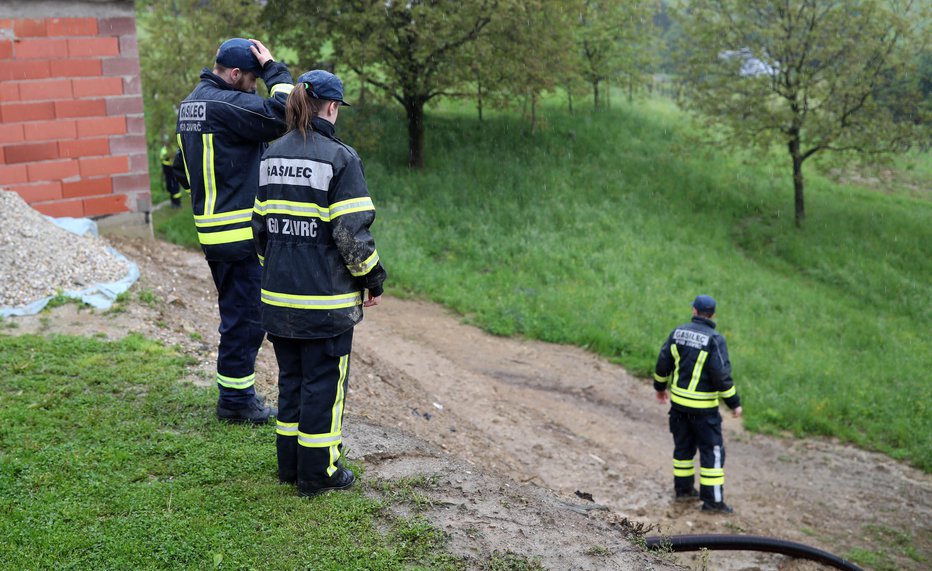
[[747, 543]]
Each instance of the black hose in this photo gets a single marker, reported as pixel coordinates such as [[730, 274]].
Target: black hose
[[748, 543]]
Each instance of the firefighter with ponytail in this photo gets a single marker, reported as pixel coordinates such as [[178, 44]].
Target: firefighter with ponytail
[[320, 269]]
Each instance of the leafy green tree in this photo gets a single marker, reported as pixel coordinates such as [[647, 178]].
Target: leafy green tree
[[616, 40], [177, 39], [527, 50], [803, 73], [407, 49], [925, 75]]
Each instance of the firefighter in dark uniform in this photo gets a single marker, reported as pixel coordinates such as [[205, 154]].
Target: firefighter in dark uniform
[[172, 187], [311, 223], [694, 363], [223, 128]]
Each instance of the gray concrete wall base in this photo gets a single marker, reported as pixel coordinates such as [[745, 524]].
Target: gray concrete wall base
[[127, 224]]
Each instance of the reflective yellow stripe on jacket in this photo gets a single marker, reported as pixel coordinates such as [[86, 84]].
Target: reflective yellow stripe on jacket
[[209, 218], [215, 221], [285, 88], [183, 159], [366, 266], [210, 178], [689, 396], [312, 301], [311, 210]]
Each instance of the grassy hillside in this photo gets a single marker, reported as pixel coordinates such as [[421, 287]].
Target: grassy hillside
[[600, 229]]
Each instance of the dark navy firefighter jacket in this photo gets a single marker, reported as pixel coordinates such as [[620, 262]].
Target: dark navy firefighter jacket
[[222, 133], [311, 225], [694, 361]]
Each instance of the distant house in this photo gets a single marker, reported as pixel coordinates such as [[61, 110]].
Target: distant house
[[750, 65], [72, 135]]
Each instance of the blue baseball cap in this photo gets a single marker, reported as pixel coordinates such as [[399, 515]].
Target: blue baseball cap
[[704, 304], [321, 84], [236, 53]]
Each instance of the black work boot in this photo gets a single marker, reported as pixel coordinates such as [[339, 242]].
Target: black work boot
[[342, 479], [717, 507], [255, 412], [684, 495]]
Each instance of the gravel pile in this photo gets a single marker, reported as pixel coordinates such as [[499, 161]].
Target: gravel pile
[[39, 259]]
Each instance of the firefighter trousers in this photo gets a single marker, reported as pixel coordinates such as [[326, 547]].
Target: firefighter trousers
[[238, 284], [702, 432], [171, 184], [312, 382]]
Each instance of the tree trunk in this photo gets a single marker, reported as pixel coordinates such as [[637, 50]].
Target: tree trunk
[[798, 182], [595, 94], [414, 108], [533, 112], [569, 97], [479, 98]]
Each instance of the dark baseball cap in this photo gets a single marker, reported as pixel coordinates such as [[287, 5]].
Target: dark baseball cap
[[704, 304], [321, 84], [236, 53]]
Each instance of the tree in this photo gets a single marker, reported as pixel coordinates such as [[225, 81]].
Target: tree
[[615, 39], [408, 50], [526, 51], [803, 73]]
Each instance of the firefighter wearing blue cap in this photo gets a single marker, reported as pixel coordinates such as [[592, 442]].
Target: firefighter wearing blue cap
[[223, 128], [320, 269], [694, 364]]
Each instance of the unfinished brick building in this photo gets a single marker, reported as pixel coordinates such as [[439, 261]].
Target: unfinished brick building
[[72, 135]]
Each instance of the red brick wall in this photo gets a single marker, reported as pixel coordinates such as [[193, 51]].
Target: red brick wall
[[72, 138]]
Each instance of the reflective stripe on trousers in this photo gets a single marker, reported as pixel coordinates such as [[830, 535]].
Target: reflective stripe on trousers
[[312, 388], [702, 433], [240, 333]]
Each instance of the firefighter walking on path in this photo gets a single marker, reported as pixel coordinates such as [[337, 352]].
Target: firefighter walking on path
[[694, 363], [223, 128], [311, 223]]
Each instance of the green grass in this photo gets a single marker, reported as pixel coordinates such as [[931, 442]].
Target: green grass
[[108, 462], [60, 299], [177, 225], [599, 230], [888, 543]]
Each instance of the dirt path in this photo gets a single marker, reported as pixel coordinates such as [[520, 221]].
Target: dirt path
[[566, 420], [539, 422]]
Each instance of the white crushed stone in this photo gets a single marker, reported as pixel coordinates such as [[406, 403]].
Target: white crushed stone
[[38, 259]]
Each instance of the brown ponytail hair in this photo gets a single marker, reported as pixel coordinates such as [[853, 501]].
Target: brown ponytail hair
[[300, 108]]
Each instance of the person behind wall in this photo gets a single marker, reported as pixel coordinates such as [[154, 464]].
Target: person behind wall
[[172, 186], [694, 363], [223, 128], [311, 225]]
